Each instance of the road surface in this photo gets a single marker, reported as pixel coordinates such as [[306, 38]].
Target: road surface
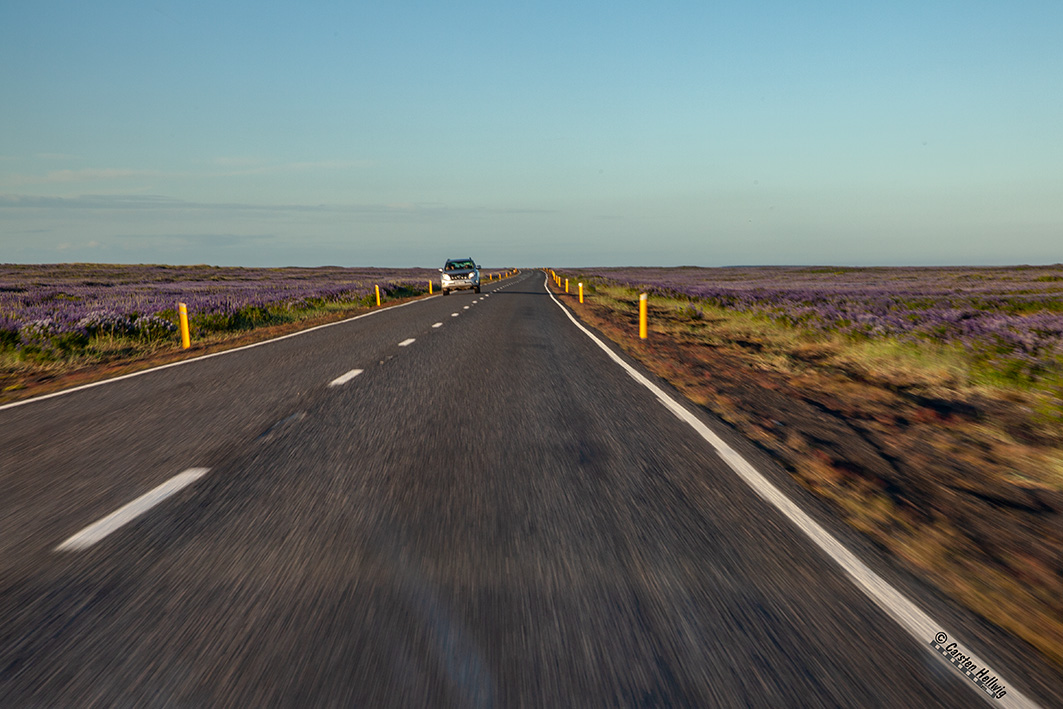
[[460, 502]]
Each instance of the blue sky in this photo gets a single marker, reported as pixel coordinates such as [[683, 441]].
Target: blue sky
[[589, 133]]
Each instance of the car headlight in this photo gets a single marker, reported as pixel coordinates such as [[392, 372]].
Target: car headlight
[[446, 276]]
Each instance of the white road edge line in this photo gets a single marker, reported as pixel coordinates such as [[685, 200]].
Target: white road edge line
[[407, 343], [344, 378], [71, 390], [438, 324], [909, 616], [127, 513]]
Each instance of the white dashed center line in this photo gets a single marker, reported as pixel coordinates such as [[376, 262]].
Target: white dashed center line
[[406, 343], [343, 379], [438, 324], [123, 515], [466, 307], [454, 315]]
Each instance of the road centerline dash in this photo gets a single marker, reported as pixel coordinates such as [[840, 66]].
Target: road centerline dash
[[438, 324], [407, 342], [344, 378], [130, 511]]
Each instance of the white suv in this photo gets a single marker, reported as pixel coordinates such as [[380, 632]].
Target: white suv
[[459, 274]]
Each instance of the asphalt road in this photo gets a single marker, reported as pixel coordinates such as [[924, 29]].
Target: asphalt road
[[493, 514]]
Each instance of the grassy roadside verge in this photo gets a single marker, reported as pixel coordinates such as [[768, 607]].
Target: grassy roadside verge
[[958, 477], [24, 375]]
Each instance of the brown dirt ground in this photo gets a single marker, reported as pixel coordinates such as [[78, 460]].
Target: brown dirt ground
[[928, 478]]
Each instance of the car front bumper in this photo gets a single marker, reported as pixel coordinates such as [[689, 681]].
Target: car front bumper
[[461, 285]]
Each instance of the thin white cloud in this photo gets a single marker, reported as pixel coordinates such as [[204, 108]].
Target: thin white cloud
[[328, 165], [251, 167], [143, 202], [237, 161], [236, 167], [147, 202], [82, 175], [68, 246], [91, 174]]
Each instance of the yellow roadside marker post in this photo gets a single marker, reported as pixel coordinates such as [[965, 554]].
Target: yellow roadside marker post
[[642, 316], [429, 286], [581, 292], [377, 296], [186, 341], [566, 285]]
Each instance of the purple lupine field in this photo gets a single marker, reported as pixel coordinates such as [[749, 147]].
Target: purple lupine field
[[43, 304], [1015, 313]]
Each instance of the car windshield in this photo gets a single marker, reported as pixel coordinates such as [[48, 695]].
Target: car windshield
[[455, 265]]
